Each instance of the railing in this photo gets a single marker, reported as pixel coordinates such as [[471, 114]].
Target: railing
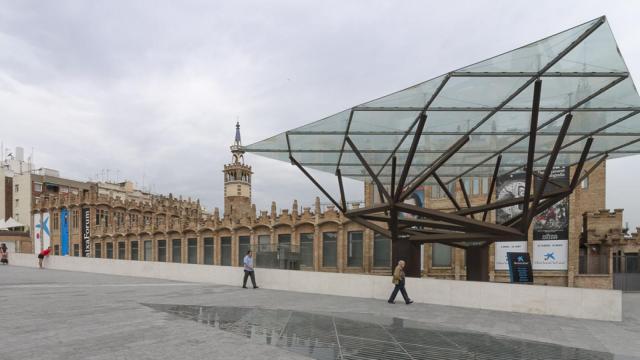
[[594, 264]]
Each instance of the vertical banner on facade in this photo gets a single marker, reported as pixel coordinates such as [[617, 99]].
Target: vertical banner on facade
[[37, 234], [551, 227], [86, 243], [46, 234], [508, 187], [64, 232]]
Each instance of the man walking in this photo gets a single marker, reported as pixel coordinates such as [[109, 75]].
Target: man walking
[[398, 280], [248, 270]]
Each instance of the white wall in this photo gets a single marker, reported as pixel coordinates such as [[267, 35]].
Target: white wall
[[532, 299], [2, 205]]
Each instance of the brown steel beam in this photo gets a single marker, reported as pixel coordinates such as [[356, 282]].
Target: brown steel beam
[[416, 222], [492, 186], [466, 223], [532, 147], [583, 158], [453, 237], [374, 177], [304, 171], [592, 168], [466, 196], [342, 196], [371, 226], [367, 210], [550, 181], [444, 188], [436, 165], [508, 202], [412, 152]]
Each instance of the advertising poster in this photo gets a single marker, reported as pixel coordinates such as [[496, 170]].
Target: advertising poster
[[504, 247], [553, 224], [86, 235], [550, 254], [551, 227], [37, 234], [45, 234], [64, 232], [508, 187]]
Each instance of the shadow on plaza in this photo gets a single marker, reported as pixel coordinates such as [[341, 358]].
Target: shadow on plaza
[[360, 336]]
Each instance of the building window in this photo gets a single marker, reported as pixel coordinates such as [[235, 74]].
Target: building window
[[485, 185], [225, 250], [208, 250], [148, 246], [329, 249], [192, 251], [134, 250], [97, 251], [284, 241], [56, 249], [76, 249], [109, 250], [75, 219], [264, 243], [37, 187], [354, 249], [244, 244], [162, 250], [476, 186], [56, 221], [381, 251], [17, 187], [585, 183], [440, 255], [176, 250], [121, 250], [306, 249]]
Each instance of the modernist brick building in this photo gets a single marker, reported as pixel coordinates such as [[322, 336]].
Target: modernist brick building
[[123, 223]]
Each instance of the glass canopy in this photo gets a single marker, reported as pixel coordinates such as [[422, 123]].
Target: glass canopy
[[582, 73]]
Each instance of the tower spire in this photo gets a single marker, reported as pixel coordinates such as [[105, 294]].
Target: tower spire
[[238, 141]]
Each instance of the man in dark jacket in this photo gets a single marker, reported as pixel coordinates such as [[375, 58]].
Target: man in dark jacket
[[398, 280]]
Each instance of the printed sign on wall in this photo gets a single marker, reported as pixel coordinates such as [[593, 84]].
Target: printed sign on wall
[[504, 247], [553, 223], [86, 235], [550, 254], [37, 234]]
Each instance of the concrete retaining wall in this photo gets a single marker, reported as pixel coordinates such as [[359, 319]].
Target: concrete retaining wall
[[531, 299]]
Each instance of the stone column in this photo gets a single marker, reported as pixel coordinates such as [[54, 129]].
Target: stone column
[[341, 254], [317, 254]]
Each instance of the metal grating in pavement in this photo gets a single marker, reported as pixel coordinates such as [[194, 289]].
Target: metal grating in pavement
[[332, 336]]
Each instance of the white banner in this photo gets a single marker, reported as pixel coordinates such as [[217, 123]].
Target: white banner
[[502, 248], [550, 254], [37, 234], [42, 228]]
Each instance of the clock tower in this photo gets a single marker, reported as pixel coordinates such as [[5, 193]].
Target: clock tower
[[237, 181]]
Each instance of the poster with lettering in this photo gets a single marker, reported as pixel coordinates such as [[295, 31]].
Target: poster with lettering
[[508, 187], [553, 223], [551, 227]]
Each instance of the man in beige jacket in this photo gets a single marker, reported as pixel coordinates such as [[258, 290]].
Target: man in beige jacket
[[398, 280]]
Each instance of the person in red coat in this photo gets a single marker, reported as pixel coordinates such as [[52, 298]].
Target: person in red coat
[[43, 253]]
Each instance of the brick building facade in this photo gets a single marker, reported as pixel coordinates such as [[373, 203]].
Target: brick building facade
[[128, 224]]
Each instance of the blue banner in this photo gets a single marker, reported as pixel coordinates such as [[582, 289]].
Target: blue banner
[[64, 232]]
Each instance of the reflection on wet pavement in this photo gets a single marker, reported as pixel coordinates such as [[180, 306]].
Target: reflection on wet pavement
[[361, 336]]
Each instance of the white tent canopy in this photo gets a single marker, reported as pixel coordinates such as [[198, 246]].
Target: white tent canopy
[[9, 224]]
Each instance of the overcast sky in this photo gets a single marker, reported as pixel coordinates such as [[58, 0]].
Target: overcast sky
[[152, 89]]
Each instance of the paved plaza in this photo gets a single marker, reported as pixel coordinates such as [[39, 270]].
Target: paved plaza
[[50, 314]]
